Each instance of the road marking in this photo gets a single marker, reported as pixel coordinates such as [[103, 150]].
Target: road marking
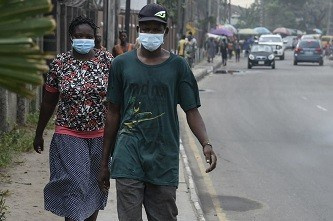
[[198, 155], [321, 108]]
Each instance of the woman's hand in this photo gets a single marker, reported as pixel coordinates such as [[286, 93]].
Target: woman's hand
[[38, 144]]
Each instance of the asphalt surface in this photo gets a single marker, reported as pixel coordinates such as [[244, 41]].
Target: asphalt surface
[[272, 131]]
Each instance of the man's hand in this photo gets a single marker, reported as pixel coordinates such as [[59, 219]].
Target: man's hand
[[104, 179], [38, 144], [210, 157]]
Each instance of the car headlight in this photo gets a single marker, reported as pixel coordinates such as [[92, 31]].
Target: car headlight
[[251, 56], [271, 57], [278, 47]]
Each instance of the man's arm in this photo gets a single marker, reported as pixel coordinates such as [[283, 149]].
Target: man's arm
[[110, 134], [198, 128]]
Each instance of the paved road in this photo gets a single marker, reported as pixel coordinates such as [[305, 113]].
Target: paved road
[[273, 133]]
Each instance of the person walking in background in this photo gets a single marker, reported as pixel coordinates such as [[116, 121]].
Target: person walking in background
[[230, 49], [210, 47], [190, 49], [123, 46], [77, 82], [224, 52], [98, 42], [142, 128], [237, 51], [181, 46]]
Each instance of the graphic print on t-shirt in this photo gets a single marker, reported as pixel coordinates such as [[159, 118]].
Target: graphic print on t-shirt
[[136, 117]]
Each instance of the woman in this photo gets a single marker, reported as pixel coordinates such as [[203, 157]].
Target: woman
[[77, 82]]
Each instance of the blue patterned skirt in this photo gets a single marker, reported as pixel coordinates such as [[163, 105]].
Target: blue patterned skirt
[[73, 190]]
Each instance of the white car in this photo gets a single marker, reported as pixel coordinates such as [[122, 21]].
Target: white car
[[276, 42]]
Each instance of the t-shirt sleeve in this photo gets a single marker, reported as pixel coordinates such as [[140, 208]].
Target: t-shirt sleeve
[[114, 92], [188, 92], [51, 84]]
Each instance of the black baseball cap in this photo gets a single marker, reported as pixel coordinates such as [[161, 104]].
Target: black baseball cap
[[153, 12]]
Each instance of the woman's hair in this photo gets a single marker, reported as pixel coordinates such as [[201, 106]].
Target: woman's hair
[[79, 21]]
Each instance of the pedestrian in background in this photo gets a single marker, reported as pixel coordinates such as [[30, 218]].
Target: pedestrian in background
[[181, 46], [237, 51], [210, 47], [77, 82], [142, 128], [190, 49], [224, 52], [123, 46], [230, 48], [98, 42]]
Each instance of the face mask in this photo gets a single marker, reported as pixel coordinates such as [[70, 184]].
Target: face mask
[[151, 41], [83, 46]]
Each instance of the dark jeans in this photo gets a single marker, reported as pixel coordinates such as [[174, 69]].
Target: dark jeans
[[159, 201]]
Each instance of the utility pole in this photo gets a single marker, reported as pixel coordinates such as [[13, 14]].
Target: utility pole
[[111, 12], [229, 14], [262, 13], [330, 19], [180, 16], [209, 4], [127, 16]]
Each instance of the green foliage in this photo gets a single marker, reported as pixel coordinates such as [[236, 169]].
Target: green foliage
[[19, 140], [32, 120], [298, 14], [21, 62], [3, 207]]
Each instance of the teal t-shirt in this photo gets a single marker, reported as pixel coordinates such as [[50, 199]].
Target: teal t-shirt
[[147, 145]]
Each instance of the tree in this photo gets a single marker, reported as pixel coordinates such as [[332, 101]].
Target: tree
[[21, 61], [298, 14]]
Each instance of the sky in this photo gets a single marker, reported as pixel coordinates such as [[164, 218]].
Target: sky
[[243, 3]]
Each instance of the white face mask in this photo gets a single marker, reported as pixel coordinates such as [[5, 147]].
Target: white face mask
[[151, 41]]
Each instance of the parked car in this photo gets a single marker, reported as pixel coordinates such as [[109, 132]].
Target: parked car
[[327, 42], [290, 42], [276, 42], [261, 55], [310, 36], [309, 50]]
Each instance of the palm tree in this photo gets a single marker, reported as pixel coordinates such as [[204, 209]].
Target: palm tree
[[21, 61]]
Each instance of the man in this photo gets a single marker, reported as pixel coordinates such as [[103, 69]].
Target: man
[[181, 46], [123, 46], [224, 51], [142, 128], [98, 42], [190, 49]]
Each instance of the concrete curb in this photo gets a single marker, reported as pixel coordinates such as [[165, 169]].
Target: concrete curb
[[204, 72], [191, 185], [188, 173]]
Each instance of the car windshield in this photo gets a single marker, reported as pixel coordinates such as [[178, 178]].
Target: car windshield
[[259, 48], [270, 39], [309, 44]]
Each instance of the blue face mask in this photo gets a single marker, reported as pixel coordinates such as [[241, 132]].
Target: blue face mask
[[151, 41], [83, 46]]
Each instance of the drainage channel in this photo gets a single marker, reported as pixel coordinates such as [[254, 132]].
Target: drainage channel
[[223, 71]]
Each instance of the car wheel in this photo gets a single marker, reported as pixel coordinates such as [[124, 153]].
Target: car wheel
[[295, 62], [321, 63], [282, 57], [273, 65], [249, 66]]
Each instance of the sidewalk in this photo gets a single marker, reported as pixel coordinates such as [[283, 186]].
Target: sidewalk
[[187, 200]]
